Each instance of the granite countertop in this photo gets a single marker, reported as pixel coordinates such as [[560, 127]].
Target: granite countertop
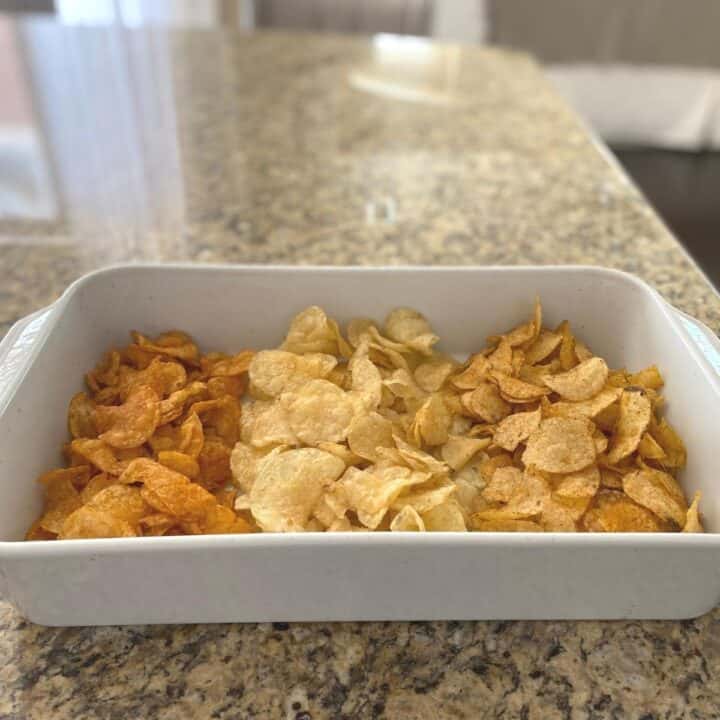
[[218, 146]]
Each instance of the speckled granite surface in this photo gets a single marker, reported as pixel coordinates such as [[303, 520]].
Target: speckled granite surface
[[216, 146]]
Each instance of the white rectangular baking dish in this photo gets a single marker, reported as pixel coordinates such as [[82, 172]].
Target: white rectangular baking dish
[[357, 576]]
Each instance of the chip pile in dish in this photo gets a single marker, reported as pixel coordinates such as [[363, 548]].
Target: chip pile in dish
[[150, 444], [373, 429]]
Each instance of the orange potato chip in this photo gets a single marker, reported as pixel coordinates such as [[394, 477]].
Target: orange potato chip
[[163, 376], [233, 385], [222, 414], [633, 420], [81, 416], [235, 365], [174, 344], [173, 406], [131, 424], [489, 465], [191, 436], [99, 454], [560, 445], [582, 382], [95, 485], [87, 522], [184, 464]]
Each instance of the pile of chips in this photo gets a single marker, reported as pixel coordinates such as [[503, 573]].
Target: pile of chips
[[376, 430], [373, 429], [150, 445]]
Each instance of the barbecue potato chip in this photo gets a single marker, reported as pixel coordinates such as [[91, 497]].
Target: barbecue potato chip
[[560, 445], [581, 484], [544, 346], [670, 442], [485, 403], [581, 382], [99, 454], [514, 390], [649, 448], [173, 406], [131, 424], [87, 522], [633, 420], [288, 485], [475, 371], [589, 408], [214, 465], [658, 492], [649, 378], [567, 356], [517, 428], [174, 344], [81, 417], [184, 464], [95, 485]]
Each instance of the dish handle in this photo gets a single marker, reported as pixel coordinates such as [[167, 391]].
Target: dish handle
[[704, 339], [16, 348]]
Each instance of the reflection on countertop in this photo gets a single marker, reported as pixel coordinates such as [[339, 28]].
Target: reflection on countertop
[[219, 146]]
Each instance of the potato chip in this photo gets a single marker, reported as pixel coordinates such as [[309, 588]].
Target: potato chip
[[131, 424], [633, 420], [505, 525], [81, 417], [489, 465], [61, 496], [535, 374], [545, 344], [105, 372], [289, 484], [446, 517], [611, 479], [273, 372], [235, 365], [432, 374], [369, 432], [560, 445], [87, 522], [612, 511], [528, 493], [581, 484], [311, 331], [501, 357], [163, 376], [221, 520], [191, 436], [517, 428], [270, 425], [581, 382], [485, 403], [601, 442], [692, 519], [431, 423], [319, 411], [174, 344], [558, 517], [607, 418], [658, 492], [157, 524], [95, 485], [221, 414], [233, 385], [411, 328], [99, 454], [244, 460], [568, 358], [179, 462], [424, 496], [516, 391], [214, 465], [407, 520], [670, 442], [649, 449], [458, 451], [121, 501], [582, 351], [588, 409], [173, 406], [417, 459], [649, 378], [505, 482], [366, 381], [402, 384], [474, 372]]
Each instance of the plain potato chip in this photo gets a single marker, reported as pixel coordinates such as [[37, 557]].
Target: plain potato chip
[[288, 485], [235, 365], [517, 428], [458, 451], [446, 517], [417, 459], [560, 445], [505, 525], [407, 520], [369, 432], [270, 425], [692, 519], [311, 331], [319, 411], [558, 517], [432, 374], [658, 492], [431, 423], [582, 382], [366, 381], [670, 442], [567, 356], [424, 496], [634, 418], [411, 328]]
